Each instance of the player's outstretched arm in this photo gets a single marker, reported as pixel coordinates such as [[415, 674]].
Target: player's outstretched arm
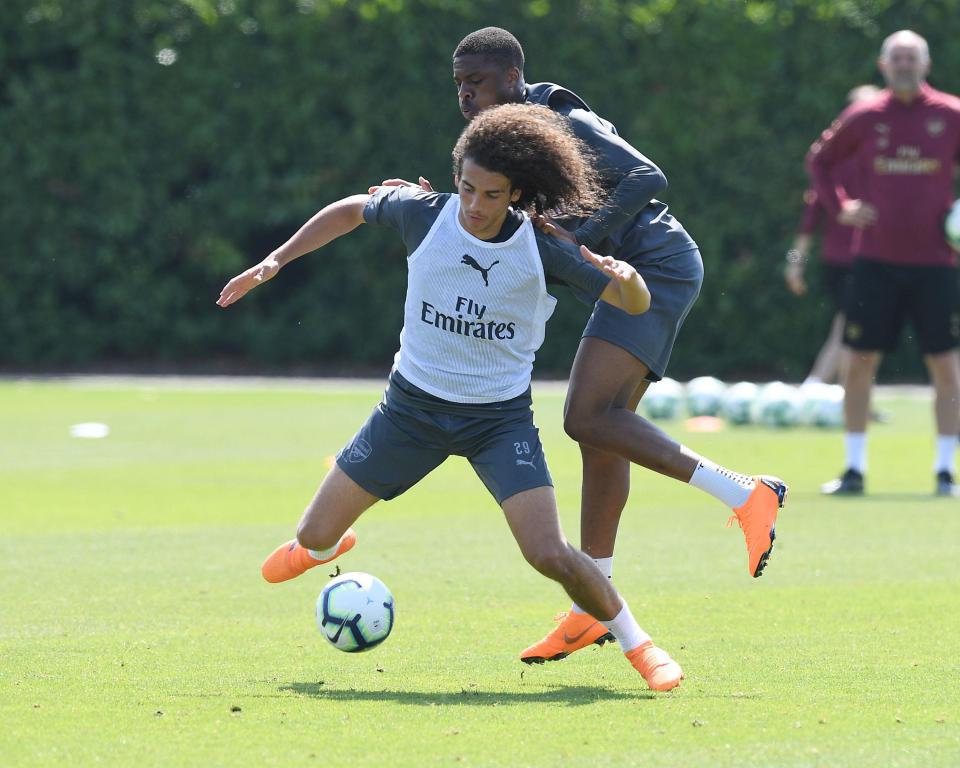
[[626, 289], [335, 220]]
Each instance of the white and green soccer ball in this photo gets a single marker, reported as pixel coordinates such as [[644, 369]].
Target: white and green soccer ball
[[737, 402], [704, 395], [355, 612], [951, 226], [823, 405], [662, 399], [777, 405]]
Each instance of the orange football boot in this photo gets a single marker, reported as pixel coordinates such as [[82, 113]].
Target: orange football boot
[[290, 560], [660, 671], [758, 519], [575, 631]]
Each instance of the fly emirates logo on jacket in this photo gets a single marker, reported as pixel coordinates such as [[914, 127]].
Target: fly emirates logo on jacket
[[908, 161]]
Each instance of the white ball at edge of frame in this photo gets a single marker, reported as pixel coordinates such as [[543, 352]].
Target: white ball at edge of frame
[[951, 226]]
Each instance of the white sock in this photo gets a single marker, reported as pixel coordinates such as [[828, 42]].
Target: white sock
[[812, 380], [605, 564], [856, 443], [324, 554], [729, 487], [625, 628], [946, 449]]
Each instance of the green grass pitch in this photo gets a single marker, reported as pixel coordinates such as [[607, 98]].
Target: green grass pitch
[[135, 628]]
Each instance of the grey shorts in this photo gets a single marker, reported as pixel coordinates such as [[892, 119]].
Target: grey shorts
[[674, 284], [400, 444]]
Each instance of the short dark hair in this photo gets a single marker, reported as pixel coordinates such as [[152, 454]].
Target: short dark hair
[[494, 43]]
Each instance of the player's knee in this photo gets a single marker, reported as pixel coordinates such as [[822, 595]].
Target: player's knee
[[554, 561], [581, 425]]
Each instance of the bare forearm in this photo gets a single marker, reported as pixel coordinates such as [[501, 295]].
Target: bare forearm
[[626, 289], [333, 221], [800, 249], [327, 225], [796, 260], [630, 295]]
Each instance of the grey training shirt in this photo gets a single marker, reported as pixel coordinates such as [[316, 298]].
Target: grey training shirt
[[633, 225]]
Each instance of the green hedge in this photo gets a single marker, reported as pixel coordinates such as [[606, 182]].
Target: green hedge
[[151, 149]]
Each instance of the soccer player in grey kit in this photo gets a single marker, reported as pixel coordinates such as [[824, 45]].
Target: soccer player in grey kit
[[907, 141], [460, 384], [618, 357]]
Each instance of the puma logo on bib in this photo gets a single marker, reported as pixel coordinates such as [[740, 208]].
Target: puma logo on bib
[[484, 271]]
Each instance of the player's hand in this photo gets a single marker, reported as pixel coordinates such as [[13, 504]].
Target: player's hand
[[626, 289], [550, 227], [857, 213], [246, 281], [793, 275], [619, 270], [425, 185]]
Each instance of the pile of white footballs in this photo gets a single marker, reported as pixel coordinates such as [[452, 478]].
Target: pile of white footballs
[[771, 405]]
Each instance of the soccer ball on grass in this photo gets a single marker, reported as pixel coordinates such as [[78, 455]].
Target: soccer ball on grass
[[355, 612]]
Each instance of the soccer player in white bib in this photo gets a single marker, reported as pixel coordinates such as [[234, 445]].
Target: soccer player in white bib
[[474, 316]]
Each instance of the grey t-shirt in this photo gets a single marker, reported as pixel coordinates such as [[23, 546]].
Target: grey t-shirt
[[633, 225], [412, 212]]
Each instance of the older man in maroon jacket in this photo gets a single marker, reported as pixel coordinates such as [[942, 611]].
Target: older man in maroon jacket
[[906, 142]]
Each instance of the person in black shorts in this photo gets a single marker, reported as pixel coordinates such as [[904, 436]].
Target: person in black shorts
[[906, 142], [474, 315]]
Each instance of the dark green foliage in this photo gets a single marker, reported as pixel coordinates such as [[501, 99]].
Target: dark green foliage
[[152, 149]]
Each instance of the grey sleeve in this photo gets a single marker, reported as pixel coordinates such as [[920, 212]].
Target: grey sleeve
[[562, 263], [633, 178], [409, 210]]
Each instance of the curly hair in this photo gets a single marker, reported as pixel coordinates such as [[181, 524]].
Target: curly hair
[[536, 149]]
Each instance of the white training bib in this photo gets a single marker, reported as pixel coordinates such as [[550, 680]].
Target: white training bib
[[475, 312]]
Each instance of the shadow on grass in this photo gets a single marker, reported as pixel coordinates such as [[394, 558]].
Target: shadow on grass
[[899, 498], [573, 696], [887, 497]]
